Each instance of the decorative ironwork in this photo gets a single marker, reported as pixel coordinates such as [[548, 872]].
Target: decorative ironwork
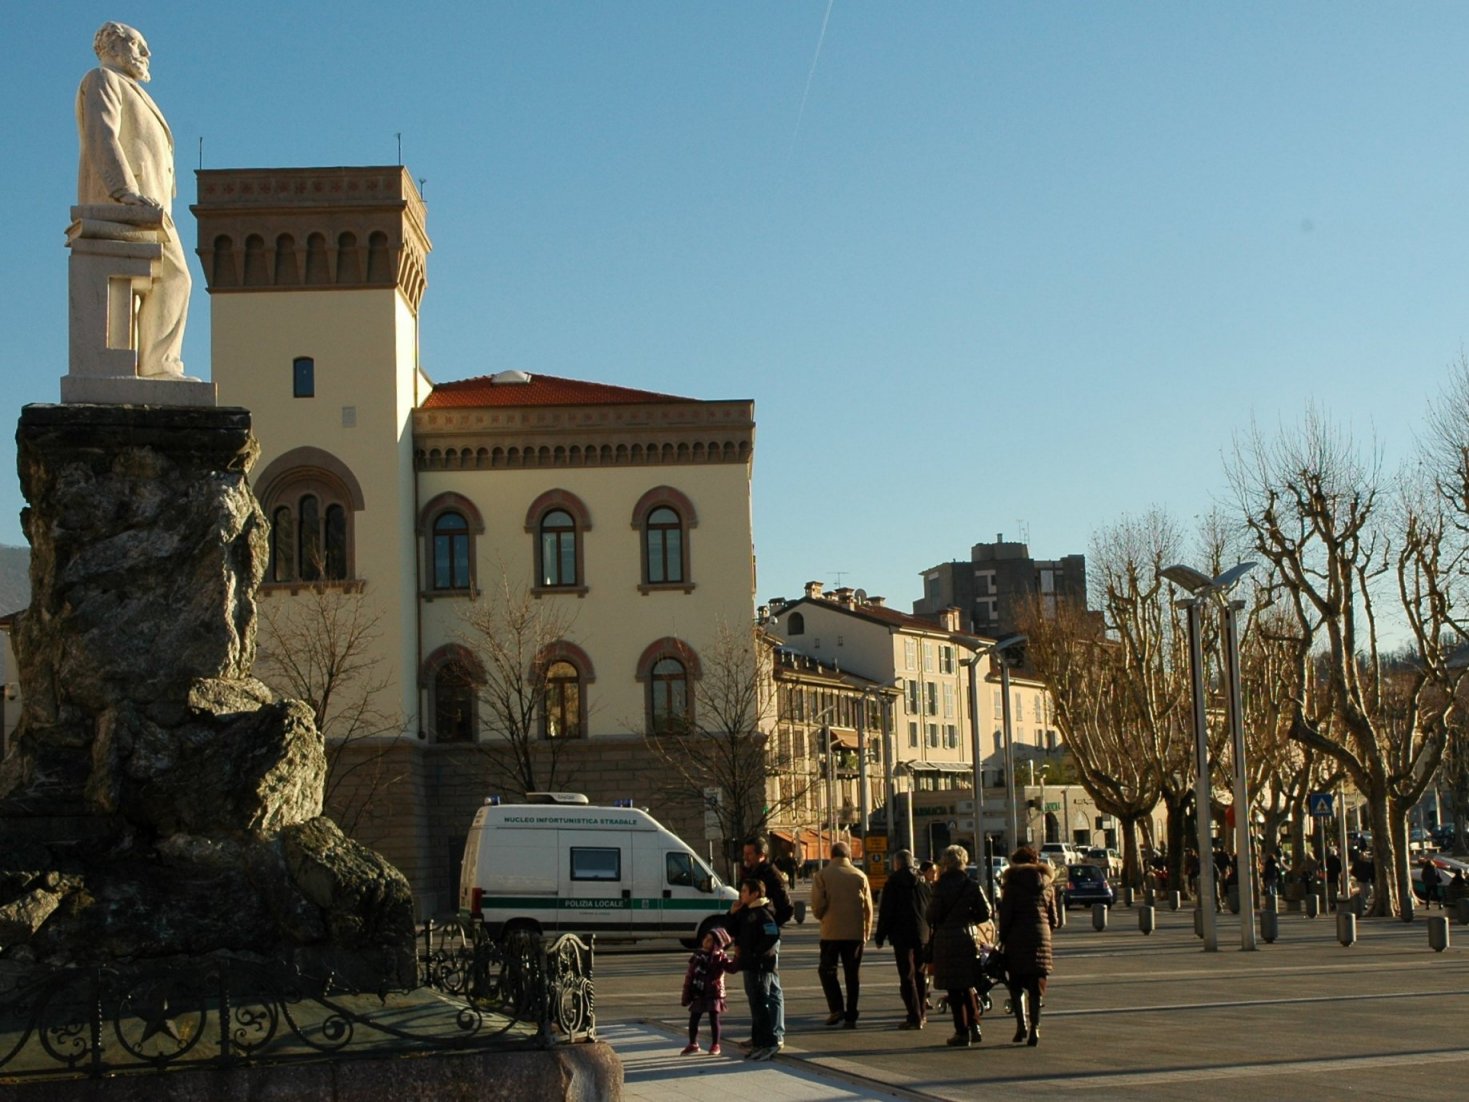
[[517, 975], [224, 1010]]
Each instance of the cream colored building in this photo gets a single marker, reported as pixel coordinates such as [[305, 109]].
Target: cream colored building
[[623, 514], [927, 663]]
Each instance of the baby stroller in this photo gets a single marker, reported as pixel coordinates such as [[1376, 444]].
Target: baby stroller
[[992, 974]]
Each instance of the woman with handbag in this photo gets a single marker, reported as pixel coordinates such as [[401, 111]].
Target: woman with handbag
[[1028, 914], [958, 904]]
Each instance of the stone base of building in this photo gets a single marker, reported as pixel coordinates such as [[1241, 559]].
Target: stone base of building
[[575, 1073]]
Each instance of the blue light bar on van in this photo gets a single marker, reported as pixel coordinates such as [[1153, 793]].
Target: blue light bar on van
[[622, 803], [492, 801]]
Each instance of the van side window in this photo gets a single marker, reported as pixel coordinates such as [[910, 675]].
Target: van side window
[[595, 864], [681, 870]]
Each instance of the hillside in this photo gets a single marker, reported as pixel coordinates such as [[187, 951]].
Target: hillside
[[15, 582]]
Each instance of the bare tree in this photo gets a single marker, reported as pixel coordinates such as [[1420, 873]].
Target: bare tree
[[1314, 507], [510, 635], [321, 646], [1136, 606], [719, 756], [1097, 712]]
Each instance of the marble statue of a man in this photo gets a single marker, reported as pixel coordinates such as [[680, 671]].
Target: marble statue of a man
[[127, 157]]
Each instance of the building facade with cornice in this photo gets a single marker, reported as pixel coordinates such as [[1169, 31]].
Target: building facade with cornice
[[619, 517]]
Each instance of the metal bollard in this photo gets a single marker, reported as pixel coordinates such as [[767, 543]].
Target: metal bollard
[[1270, 926], [1313, 905], [1346, 927], [1231, 898], [1127, 897], [1358, 904], [1461, 911], [1150, 896], [1099, 916], [1173, 901], [1198, 922], [1061, 908], [1438, 933], [1146, 921]]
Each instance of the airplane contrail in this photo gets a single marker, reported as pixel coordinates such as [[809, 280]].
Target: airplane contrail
[[810, 75]]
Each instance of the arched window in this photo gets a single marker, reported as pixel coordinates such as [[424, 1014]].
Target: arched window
[[668, 668], [668, 697], [561, 715], [454, 701], [282, 545], [303, 377], [558, 521], [451, 551], [309, 562], [310, 497], [451, 676], [663, 547], [795, 624], [558, 550], [663, 517]]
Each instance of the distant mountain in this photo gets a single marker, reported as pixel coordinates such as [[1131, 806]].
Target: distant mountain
[[15, 579]]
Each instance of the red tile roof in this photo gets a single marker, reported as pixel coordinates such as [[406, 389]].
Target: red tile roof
[[542, 390]]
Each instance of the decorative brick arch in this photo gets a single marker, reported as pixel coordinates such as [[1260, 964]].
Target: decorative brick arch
[[676, 500], [558, 499], [443, 656], [563, 650], [303, 463], [450, 502], [668, 647]]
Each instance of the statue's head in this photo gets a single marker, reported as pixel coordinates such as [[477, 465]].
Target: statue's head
[[123, 48]]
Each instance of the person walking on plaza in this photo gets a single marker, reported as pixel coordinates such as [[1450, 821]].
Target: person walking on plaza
[[1431, 880], [958, 904], [1270, 874], [841, 899], [703, 988], [756, 958], [756, 863], [1028, 914], [900, 919]]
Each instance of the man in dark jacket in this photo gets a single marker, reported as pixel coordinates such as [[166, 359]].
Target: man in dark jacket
[[757, 866], [756, 958], [900, 919]]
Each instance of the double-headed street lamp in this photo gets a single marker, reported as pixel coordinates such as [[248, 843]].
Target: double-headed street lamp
[[998, 649], [1204, 589]]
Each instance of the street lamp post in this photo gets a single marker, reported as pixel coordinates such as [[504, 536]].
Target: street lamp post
[[1202, 589], [983, 857], [998, 649]]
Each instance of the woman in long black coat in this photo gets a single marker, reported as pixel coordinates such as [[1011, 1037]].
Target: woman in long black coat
[[957, 904], [1028, 914]]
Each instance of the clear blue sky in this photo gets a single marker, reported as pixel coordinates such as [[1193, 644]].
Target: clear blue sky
[[983, 267]]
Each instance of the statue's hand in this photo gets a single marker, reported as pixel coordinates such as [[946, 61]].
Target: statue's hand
[[133, 199]]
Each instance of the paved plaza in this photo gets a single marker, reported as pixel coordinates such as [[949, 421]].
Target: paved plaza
[[1127, 1016]]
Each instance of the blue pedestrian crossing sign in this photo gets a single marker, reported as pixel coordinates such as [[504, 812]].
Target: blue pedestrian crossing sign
[[1320, 805]]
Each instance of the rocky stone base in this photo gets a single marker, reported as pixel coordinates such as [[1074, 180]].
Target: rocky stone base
[[160, 801], [575, 1073]]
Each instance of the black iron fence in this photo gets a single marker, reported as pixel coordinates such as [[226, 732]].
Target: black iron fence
[[224, 1010]]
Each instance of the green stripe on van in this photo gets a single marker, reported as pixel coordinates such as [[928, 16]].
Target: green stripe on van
[[547, 902]]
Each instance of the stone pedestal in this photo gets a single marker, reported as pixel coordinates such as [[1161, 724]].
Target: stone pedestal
[[115, 253], [160, 800]]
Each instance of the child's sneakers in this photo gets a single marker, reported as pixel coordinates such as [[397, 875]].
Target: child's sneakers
[[714, 1049], [689, 1049]]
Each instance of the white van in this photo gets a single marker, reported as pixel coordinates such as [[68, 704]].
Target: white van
[[556, 864]]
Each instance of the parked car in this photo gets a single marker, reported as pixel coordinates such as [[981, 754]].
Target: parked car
[[1106, 858], [998, 867], [1419, 839], [1088, 884], [1443, 836], [1060, 854]]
